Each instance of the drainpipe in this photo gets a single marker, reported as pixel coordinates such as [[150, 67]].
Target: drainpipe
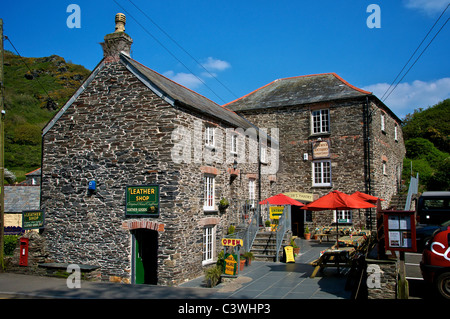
[[367, 119]]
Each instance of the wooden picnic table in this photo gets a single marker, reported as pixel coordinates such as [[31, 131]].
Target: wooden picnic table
[[351, 241], [333, 258]]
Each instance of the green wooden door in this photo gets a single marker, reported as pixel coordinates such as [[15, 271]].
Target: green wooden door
[[139, 266]]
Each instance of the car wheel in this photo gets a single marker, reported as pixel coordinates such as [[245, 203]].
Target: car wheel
[[443, 284]]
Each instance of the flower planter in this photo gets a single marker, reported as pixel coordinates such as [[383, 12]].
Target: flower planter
[[297, 250], [242, 264], [307, 236]]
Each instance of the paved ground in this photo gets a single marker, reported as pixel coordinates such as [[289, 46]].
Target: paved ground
[[261, 280], [268, 280]]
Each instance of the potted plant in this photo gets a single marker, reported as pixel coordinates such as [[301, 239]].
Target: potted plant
[[231, 230], [248, 257], [223, 204], [242, 262], [267, 223], [294, 246], [307, 234]]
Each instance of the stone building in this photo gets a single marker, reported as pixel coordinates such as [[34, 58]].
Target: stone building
[[129, 130], [332, 135], [128, 125]]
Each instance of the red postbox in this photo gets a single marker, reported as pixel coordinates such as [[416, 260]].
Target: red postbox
[[23, 251]]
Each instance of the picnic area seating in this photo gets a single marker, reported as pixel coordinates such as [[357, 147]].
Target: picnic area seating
[[341, 254]]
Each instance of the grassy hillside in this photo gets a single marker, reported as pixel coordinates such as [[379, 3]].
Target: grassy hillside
[[33, 95], [426, 134]]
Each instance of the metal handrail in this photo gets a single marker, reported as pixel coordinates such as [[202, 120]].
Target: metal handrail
[[283, 226], [412, 190], [248, 234], [251, 231]]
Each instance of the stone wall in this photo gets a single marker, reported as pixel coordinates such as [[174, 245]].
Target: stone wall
[[382, 279], [346, 143], [118, 133], [387, 148]]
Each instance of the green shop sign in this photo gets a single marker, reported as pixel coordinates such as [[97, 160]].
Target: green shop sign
[[32, 219], [142, 200]]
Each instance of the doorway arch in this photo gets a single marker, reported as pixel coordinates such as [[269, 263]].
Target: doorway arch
[[144, 249]]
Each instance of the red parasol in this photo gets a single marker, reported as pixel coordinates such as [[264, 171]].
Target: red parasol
[[365, 197], [337, 200], [281, 199]]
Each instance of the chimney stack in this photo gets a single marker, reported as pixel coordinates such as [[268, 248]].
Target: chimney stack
[[117, 42]]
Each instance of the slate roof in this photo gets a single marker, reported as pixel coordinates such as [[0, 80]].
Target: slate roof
[[296, 91], [184, 96], [20, 198]]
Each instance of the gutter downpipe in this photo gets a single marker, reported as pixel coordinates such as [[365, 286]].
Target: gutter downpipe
[[367, 119]]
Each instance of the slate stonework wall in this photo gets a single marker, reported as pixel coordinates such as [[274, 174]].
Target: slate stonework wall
[[119, 133], [347, 149]]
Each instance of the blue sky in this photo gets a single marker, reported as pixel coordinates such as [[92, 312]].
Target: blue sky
[[247, 44]]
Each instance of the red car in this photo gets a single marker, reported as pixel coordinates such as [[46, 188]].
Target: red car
[[435, 264]]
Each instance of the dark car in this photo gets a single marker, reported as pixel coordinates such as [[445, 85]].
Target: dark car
[[435, 264], [433, 208]]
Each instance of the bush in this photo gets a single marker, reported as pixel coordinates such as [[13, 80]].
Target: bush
[[10, 244], [212, 276]]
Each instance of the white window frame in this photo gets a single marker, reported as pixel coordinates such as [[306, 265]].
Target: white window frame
[[346, 215], [383, 127], [322, 119], [234, 143], [396, 132], [384, 168], [209, 192], [209, 243], [252, 192], [324, 180], [209, 136], [263, 154]]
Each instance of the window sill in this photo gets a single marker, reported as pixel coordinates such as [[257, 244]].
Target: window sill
[[210, 210], [208, 262], [316, 135]]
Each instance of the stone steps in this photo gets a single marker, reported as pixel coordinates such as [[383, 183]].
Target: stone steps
[[398, 201], [264, 246]]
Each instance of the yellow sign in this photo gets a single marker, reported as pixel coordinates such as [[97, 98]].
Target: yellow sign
[[307, 197], [276, 212], [289, 254], [232, 242], [230, 265]]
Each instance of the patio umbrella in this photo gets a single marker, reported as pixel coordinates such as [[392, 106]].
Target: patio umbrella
[[366, 197], [281, 199], [337, 200]]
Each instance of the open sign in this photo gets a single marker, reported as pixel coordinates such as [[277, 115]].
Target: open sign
[[232, 242]]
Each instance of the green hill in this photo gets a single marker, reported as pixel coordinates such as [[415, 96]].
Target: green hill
[[35, 89], [426, 133]]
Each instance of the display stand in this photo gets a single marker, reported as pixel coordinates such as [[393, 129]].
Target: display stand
[[400, 235]]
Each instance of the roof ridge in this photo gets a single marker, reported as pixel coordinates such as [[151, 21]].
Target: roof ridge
[[350, 85], [165, 77], [300, 76]]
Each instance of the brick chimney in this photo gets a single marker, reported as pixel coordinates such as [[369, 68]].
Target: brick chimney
[[117, 42]]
